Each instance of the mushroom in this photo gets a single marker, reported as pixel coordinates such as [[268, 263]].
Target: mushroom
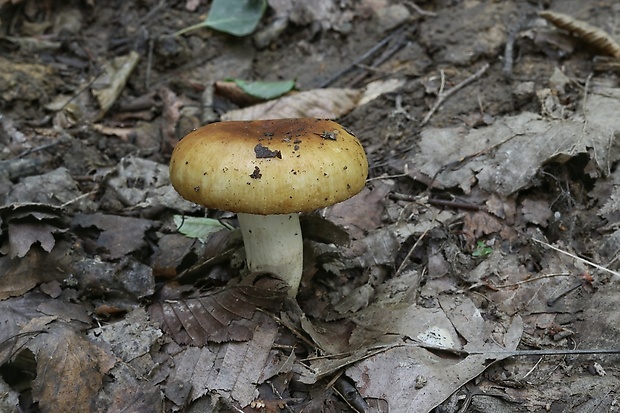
[[267, 171]]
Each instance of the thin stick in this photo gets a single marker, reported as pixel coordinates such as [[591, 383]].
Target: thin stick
[[526, 23], [517, 353], [600, 267], [558, 352], [454, 204], [532, 369], [399, 43], [363, 57], [529, 280], [419, 10], [402, 265], [376, 178], [443, 96]]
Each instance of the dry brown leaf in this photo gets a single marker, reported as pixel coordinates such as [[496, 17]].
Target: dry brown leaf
[[172, 113], [141, 183], [427, 378], [15, 313], [136, 397], [170, 252], [502, 207], [318, 103], [222, 316], [129, 338], [481, 223], [24, 234], [109, 86], [127, 278], [320, 229], [536, 211], [29, 224], [60, 188], [70, 370], [362, 212], [525, 293], [232, 370], [377, 248], [232, 92], [19, 275], [119, 235], [502, 158]]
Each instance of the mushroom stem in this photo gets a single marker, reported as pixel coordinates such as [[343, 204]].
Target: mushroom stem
[[273, 243]]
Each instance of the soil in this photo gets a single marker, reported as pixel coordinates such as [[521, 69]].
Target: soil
[[451, 211]]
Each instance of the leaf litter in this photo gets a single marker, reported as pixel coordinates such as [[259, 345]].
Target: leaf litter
[[470, 244]]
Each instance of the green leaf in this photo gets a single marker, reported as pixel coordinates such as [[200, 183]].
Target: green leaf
[[481, 250], [199, 228], [265, 90], [236, 17]]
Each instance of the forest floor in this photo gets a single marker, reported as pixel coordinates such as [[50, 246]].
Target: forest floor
[[477, 271]]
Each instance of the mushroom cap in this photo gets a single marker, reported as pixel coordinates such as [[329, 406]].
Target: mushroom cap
[[266, 167]]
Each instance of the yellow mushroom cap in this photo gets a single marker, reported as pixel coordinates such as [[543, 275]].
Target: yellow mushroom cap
[[266, 167]]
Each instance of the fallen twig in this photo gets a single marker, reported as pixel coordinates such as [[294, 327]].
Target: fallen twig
[[600, 267], [454, 204], [529, 280], [398, 43], [443, 96], [510, 42], [382, 43], [419, 10], [402, 265]]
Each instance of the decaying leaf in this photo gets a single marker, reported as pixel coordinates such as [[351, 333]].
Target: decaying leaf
[[129, 338], [22, 235], [225, 315], [536, 211], [18, 275], [427, 377], [429, 352], [14, 314], [504, 157], [61, 189], [232, 370], [119, 235], [142, 183], [362, 212], [10, 399], [70, 370], [110, 85], [232, 92], [28, 224], [318, 103], [479, 223], [318, 228]]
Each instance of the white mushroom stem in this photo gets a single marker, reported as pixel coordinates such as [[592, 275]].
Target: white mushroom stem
[[273, 244]]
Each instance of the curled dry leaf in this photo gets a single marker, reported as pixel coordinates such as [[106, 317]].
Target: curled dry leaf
[[318, 103], [590, 34], [219, 317], [109, 87]]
